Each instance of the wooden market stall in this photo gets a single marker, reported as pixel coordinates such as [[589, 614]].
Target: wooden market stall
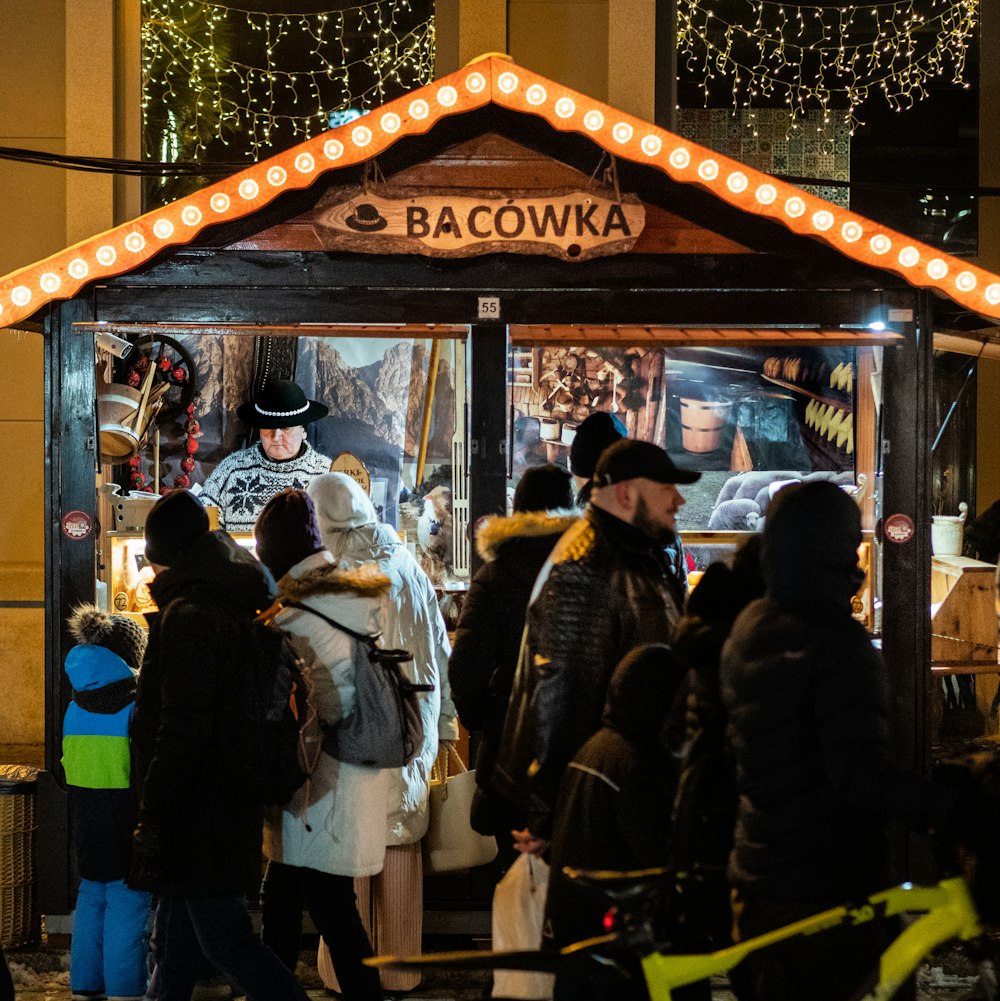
[[576, 254]]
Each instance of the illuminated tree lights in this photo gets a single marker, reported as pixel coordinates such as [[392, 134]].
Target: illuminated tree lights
[[833, 58], [218, 74]]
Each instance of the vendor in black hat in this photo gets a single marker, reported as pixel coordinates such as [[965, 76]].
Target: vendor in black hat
[[245, 481]]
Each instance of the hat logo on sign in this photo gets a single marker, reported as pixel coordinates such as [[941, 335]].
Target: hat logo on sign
[[366, 218]]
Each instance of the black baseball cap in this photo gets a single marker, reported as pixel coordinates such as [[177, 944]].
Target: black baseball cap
[[629, 459]]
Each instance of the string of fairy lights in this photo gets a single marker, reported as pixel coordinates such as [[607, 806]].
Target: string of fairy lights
[[218, 73], [831, 57]]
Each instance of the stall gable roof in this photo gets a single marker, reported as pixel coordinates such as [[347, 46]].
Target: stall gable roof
[[495, 79]]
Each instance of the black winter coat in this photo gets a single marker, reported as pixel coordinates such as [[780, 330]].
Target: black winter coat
[[609, 588], [614, 804], [808, 723], [188, 730], [488, 637]]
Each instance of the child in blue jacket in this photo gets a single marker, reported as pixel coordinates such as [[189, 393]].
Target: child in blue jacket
[[108, 952]]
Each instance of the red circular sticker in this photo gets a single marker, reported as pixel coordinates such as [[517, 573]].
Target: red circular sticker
[[77, 525], [898, 528]]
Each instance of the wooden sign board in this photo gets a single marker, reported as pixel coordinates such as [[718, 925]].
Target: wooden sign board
[[572, 224], [349, 464]]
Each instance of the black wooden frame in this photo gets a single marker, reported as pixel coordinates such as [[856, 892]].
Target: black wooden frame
[[286, 288]]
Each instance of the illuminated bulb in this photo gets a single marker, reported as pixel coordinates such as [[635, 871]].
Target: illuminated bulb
[[708, 170], [880, 244], [766, 194], [565, 108], [680, 158], [507, 82], [447, 97], [965, 281], [535, 94], [822, 220], [622, 132], [937, 269], [737, 182], [909, 257], [593, 120], [795, 207]]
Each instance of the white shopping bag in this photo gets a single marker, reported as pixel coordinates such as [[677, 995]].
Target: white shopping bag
[[518, 911]]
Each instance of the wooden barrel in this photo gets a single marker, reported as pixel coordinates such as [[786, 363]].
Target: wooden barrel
[[701, 424], [116, 407]]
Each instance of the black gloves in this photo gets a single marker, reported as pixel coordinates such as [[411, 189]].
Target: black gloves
[[148, 869]]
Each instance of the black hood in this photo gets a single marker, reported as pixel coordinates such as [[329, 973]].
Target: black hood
[[810, 548], [216, 569], [641, 692]]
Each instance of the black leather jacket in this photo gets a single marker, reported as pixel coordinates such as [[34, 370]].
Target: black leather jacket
[[609, 588]]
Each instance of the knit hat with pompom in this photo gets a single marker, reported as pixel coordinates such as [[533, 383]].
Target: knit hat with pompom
[[117, 633]]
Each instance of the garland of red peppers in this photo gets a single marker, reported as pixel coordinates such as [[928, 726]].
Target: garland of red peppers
[[177, 375]]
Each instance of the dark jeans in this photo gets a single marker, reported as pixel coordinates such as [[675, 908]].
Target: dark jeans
[[187, 928], [828, 966], [333, 908]]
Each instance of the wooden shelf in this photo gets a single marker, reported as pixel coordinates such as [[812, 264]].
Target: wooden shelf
[[842, 402]]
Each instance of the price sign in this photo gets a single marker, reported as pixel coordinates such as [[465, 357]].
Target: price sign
[[489, 308]]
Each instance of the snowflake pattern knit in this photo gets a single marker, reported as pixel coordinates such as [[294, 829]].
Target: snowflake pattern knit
[[245, 481]]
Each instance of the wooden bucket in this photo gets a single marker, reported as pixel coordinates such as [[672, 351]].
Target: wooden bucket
[[116, 411], [701, 424]]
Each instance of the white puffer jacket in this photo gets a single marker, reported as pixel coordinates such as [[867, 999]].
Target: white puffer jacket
[[342, 830], [410, 619]]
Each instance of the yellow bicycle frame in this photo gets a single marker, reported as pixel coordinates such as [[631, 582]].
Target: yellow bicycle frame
[[947, 912]]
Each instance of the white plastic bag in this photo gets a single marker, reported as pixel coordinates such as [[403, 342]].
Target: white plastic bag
[[518, 911]]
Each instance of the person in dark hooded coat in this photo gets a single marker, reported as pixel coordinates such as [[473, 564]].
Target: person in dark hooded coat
[[488, 634], [198, 842], [803, 688], [614, 805]]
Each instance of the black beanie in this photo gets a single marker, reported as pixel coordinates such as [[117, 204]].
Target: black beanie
[[173, 525], [286, 531], [543, 488], [593, 436]]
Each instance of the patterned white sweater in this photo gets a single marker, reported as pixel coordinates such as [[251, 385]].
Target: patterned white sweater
[[245, 481]]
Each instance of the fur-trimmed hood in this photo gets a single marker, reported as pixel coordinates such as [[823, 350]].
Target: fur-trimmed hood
[[497, 530], [330, 578]]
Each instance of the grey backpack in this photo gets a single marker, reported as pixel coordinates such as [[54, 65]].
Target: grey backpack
[[385, 730]]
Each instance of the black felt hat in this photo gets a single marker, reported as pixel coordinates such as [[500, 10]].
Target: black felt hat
[[280, 404]]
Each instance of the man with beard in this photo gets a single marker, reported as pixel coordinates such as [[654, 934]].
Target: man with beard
[[606, 588]]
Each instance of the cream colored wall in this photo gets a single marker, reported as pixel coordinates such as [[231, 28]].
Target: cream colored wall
[[44, 209], [22, 555], [579, 58], [33, 214]]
